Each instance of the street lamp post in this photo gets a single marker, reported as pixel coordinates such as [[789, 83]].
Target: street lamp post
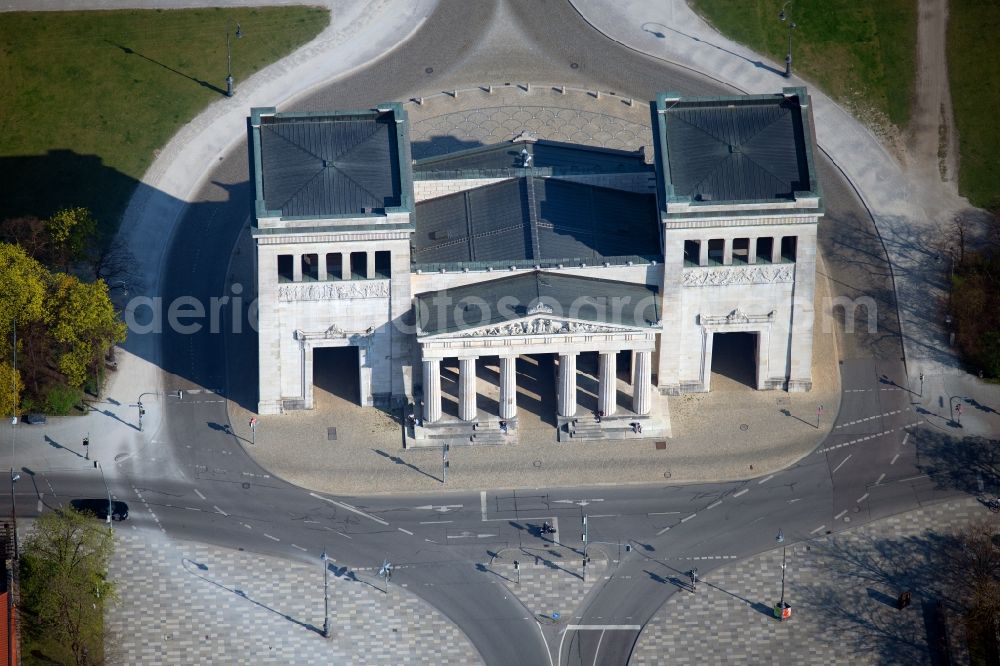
[[111, 506], [780, 612], [782, 16], [229, 61], [326, 594]]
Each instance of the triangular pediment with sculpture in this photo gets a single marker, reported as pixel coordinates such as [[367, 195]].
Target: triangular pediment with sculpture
[[541, 321]]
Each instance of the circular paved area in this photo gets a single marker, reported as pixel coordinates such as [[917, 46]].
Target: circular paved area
[[473, 117]]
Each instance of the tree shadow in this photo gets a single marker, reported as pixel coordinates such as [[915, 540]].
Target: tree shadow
[[931, 565], [960, 464]]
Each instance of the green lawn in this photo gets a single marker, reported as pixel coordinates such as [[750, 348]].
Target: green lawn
[[974, 72], [860, 53], [88, 97]]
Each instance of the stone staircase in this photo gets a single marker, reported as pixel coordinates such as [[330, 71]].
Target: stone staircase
[[618, 426], [461, 433]]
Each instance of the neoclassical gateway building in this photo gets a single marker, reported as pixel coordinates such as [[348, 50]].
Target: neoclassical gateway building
[[610, 276]]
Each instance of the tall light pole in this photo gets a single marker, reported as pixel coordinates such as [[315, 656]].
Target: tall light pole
[[782, 16], [781, 611], [326, 594], [229, 60], [111, 506]]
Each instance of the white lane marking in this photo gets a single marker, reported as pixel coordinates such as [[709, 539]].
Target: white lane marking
[[482, 502], [880, 479], [841, 463], [913, 478], [548, 650], [665, 529], [350, 508], [712, 506], [435, 522], [272, 538], [405, 531], [603, 627], [300, 548], [597, 650], [40, 505], [905, 437], [765, 479], [604, 515], [865, 439], [198, 493], [441, 508], [663, 513], [192, 508], [869, 418], [894, 459], [220, 510], [707, 557], [839, 515], [742, 492], [246, 526], [818, 529], [862, 498], [582, 502], [344, 535], [684, 520]]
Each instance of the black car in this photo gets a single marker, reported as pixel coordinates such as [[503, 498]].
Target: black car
[[33, 419], [99, 507]]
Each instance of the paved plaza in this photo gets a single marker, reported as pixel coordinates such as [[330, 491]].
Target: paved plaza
[[187, 603], [842, 589]]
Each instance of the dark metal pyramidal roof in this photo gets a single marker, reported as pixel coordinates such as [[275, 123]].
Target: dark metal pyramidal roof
[[535, 219], [316, 166], [746, 148]]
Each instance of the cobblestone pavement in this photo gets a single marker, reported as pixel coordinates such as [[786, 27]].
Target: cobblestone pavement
[[842, 589], [472, 117], [187, 603]]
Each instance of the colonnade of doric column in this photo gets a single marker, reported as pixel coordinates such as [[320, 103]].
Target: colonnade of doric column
[[607, 402], [642, 382], [508, 387], [432, 390], [607, 391], [567, 384], [467, 389]]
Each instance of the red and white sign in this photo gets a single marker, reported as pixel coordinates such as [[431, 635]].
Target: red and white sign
[[253, 422]]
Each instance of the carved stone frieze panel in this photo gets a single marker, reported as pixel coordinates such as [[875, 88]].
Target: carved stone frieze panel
[[288, 293], [719, 276]]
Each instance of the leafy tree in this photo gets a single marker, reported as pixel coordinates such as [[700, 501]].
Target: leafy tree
[[23, 283], [30, 232], [83, 324], [71, 230], [64, 584], [10, 389]]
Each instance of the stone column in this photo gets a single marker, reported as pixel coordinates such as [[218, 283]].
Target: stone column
[[703, 252], [752, 252], [467, 389], [567, 384], [432, 390], [642, 383], [508, 387], [607, 393]]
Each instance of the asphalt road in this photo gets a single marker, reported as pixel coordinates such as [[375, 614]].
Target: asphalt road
[[198, 484]]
